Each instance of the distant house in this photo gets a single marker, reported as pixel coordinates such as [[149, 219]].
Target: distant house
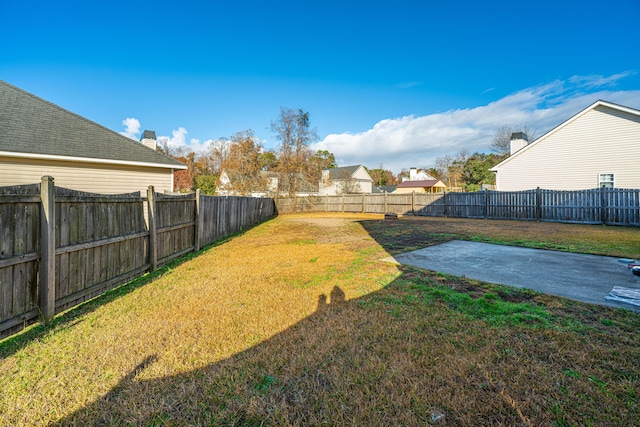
[[345, 180], [424, 186], [268, 184], [417, 175], [598, 147], [38, 138], [381, 189]]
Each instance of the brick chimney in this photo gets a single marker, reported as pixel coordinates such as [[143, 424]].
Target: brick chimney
[[149, 139]]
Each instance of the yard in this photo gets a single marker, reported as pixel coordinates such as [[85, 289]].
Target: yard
[[298, 322]]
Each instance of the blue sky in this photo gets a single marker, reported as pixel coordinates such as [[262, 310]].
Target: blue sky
[[395, 83]]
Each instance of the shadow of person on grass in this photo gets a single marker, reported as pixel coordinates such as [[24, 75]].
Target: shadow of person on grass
[[364, 361], [209, 395]]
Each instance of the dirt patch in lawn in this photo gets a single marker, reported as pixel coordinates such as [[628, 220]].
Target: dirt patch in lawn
[[410, 233]]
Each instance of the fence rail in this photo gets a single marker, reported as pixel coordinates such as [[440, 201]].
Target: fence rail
[[597, 206], [60, 247]]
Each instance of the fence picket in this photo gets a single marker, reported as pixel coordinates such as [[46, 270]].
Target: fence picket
[[597, 206], [100, 242]]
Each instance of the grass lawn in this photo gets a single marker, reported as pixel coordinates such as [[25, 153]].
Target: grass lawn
[[297, 322]]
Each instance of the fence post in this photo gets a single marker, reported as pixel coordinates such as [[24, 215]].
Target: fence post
[[603, 205], [538, 204], [342, 202], [446, 205], [385, 202], [198, 227], [326, 209], [362, 202], [413, 203], [47, 248], [151, 212], [486, 204]]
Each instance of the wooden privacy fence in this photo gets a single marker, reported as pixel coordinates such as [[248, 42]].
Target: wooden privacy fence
[[611, 206], [60, 247]]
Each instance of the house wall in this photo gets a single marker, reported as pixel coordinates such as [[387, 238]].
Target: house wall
[[603, 140], [364, 180], [333, 187], [90, 177], [405, 190]]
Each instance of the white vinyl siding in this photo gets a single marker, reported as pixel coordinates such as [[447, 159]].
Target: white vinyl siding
[[89, 177], [334, 186], [364, 180], [573, 156]]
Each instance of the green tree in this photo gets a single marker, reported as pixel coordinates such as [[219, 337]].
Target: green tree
[[475, 171], [382, 177], [268, 160], [206, 184], [323, 159]]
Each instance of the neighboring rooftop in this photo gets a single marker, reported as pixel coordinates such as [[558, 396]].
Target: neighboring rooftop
[[38, 128], [343, 172]]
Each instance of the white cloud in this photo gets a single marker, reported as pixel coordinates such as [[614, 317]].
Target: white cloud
[[178, 142], [417, 141], [132, 128]]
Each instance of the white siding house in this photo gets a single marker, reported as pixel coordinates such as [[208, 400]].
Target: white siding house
[[599, 146], [346, 179], [418, 175], [38, 138]]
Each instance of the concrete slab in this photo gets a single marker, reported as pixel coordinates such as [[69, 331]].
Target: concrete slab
[[587, 278]]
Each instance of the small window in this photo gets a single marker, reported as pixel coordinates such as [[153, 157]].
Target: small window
[[605, 180]]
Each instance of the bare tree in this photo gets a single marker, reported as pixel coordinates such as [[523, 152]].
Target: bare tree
[[242, 164], [217, 155], [348, 184], [293, 129], [449, 169], [501, 142]]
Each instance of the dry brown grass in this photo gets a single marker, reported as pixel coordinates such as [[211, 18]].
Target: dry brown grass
[[296, 322]]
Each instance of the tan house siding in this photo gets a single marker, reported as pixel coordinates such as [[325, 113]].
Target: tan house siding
[[409, 190], [89, 177], [438, 188], [603, 140]]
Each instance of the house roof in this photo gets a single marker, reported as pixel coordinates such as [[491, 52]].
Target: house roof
[[418, 184], [343, 172], [35, 128], [379, 189], [598, 103]]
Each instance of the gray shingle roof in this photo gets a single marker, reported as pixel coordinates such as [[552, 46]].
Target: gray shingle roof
[[29, 124], [343, 172]]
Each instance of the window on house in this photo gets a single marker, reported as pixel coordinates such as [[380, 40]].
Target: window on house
[[605, 180]]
